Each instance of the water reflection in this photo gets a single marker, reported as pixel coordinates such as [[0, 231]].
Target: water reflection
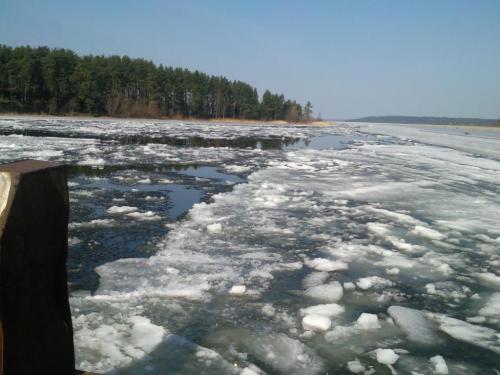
[[145, 197]]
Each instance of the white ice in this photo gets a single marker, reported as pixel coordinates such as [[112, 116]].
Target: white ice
[[386, 223], [316, 322], [415, 325], [329, 310], [386, 356], [367, 321], [439, 364], [331, 292]]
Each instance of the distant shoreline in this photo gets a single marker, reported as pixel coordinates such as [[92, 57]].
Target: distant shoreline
[[429, 120], [189, 119], [465, 127]]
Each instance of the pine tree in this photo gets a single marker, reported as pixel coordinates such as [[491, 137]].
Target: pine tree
[[59, 81], [308, 111]]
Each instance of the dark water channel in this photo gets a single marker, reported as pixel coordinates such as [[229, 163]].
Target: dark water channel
[[147, 198], [154, 198]]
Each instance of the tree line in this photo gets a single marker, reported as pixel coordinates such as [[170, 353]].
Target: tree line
[[58, 81]]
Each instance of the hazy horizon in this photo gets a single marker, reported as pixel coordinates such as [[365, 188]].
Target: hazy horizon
[[350, 60]]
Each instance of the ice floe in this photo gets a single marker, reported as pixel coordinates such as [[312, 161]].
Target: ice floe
[[439, 364], [316, 322], [386, 356], [392, 231], [330, 292], [415, 325], [367, 321]]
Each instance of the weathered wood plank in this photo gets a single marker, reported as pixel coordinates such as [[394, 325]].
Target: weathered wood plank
[[34, 308]]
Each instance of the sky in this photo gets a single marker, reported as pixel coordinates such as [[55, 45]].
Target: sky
[[350, 58]]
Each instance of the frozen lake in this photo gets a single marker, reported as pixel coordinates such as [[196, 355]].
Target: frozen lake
[[237, 249]]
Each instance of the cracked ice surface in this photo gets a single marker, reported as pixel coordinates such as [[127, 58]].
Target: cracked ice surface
[[154, 129], [431, 212], [390, 248]]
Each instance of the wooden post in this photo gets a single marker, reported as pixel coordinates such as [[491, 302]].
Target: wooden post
[[34, 308]]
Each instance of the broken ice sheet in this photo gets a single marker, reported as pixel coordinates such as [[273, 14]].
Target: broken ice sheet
[[330, 232]]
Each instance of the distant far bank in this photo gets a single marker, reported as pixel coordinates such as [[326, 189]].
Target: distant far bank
[[428, 120]]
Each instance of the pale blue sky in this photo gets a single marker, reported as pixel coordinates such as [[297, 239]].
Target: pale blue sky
[[350, 58]]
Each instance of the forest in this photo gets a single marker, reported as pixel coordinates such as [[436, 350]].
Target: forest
[[58, 81]]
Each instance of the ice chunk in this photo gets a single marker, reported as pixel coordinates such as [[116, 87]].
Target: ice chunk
[[329, 310], [349, 286], [392, 271], [355, 367], [262, 274], [477, 319], [414, 324], [379, 228], [445, 268], [331, 292], [119, 343], [72, 241], [96, 223], [367, 321], [144, 216], [268, 309], [91, 161], [316, 322], [427, 233], [483, 337], [214, 228], [396, 216], [238, 290], [206, 353], [371, 281], [327, 265], [488, 279], [284, 354], [440, 366], [179, 347], [492, 306], [402, 245], [339, 332], [121, 209], [165, 181], [314, 279], [237, 168], [248, 371], [386, 356]]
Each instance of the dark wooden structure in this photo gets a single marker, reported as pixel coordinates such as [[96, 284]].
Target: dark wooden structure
[[35, 316]]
